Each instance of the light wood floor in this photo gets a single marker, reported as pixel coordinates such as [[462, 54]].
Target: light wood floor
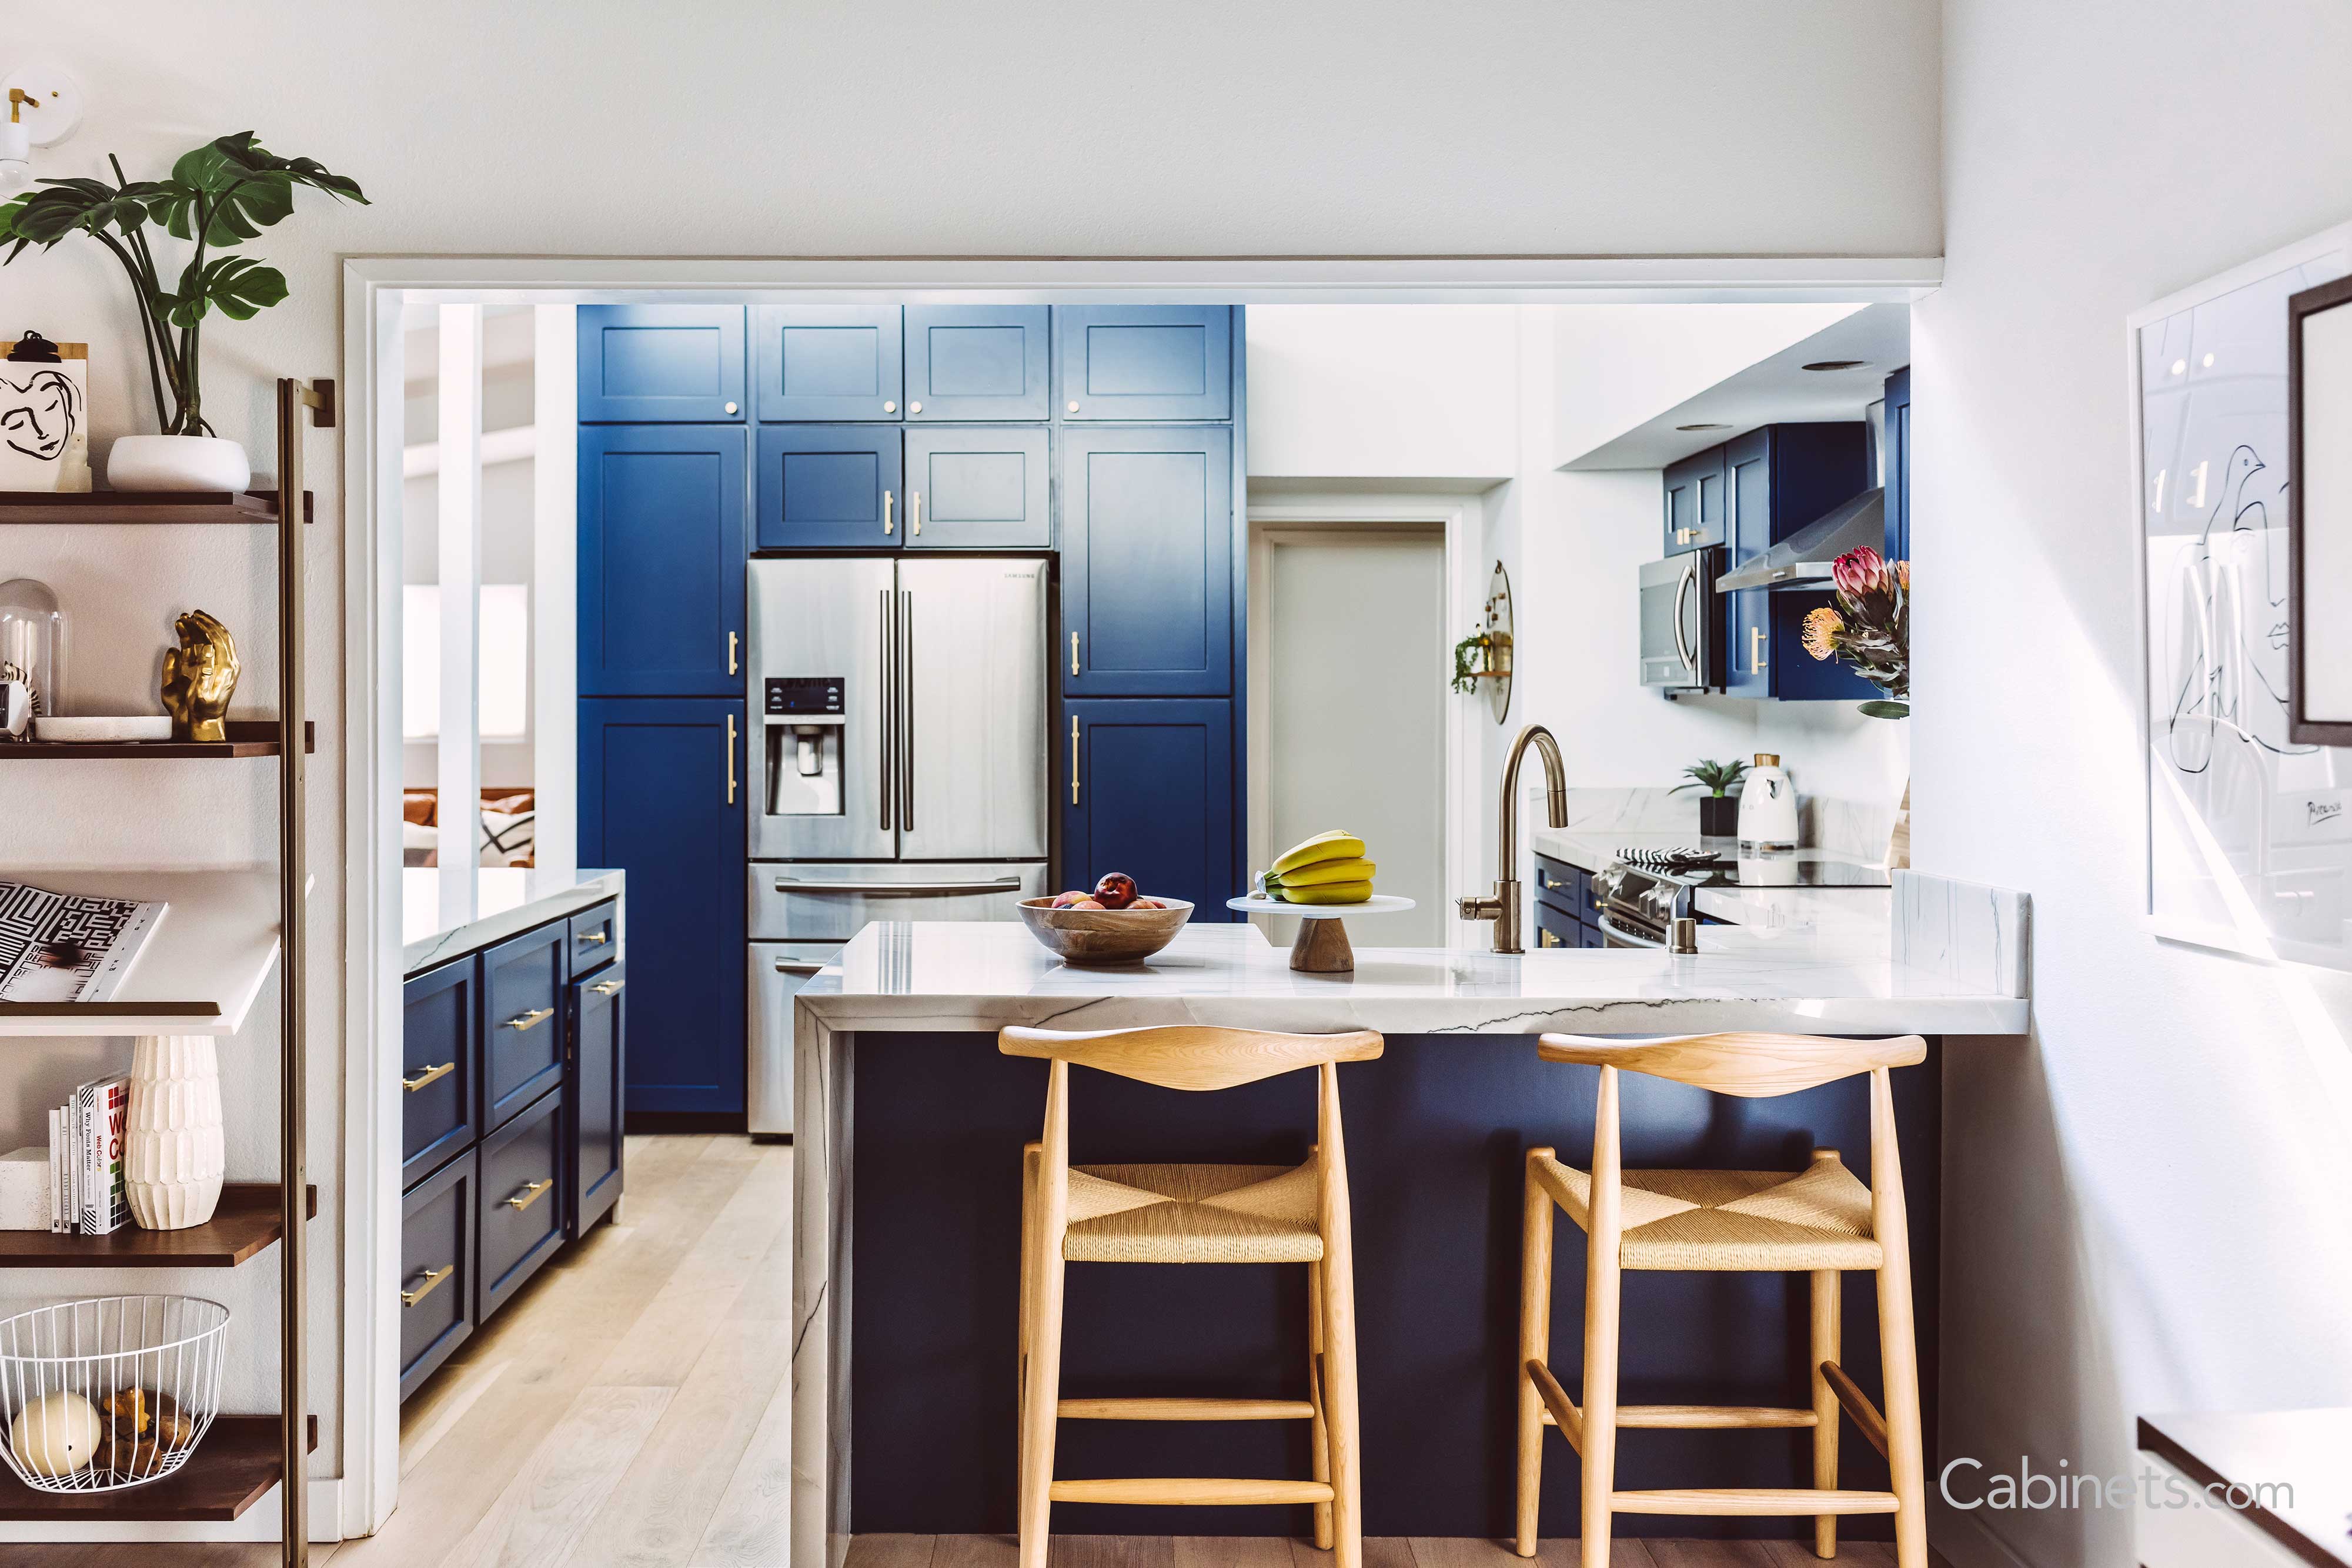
[[631, 1407]]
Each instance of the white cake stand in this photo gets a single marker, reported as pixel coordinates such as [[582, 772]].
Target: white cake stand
[[1322, 945]]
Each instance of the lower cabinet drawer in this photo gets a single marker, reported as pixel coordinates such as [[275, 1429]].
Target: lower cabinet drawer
[[522, 1021], [1555, 928], [1558, 883], [437, 1220], [522, 1200]]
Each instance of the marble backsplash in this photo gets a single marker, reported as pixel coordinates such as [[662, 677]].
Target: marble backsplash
[[1856, 828]]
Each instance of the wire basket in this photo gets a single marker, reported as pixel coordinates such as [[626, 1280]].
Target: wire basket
[[109, 1393]]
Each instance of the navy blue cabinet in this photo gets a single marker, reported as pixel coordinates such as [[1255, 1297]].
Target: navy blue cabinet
[[978, 362], [1147, 562], [1898, 465], [1151, 793], [440, 1028], [439, 1218], [661, 362], [827, 362], [597, 1093], [1796, 675], [979, 488], [1777, 479], [660, 796], [661, 561], [833, 486], [1144, 361], [522, 1024], [1696, 507]]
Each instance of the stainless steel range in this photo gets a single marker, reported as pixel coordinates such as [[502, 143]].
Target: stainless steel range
[[1643, 893]]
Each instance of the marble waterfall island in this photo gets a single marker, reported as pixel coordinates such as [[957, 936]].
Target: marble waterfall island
[[908, 1159]]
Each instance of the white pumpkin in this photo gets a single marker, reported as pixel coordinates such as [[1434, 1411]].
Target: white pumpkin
[[56, 1436]]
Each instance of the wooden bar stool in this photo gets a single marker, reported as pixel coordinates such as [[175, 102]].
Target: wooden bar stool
[[1818, 1221], [1191, 1214]]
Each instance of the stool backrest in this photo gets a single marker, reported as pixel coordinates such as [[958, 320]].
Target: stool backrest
[[1191, 1056], [1752, 1065]]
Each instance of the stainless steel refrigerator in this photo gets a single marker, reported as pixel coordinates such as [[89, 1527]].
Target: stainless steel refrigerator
[[900, 771]]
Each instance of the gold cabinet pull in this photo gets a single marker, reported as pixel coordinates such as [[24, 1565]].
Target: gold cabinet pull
[[1756, 649], [730, 758], [608, 988], [433, 1278], [531, 1020], [915, 505], [730, 653], [528, 1195], [592, 939], [885, 511], [1074, 760], [1074, 653], [430, 1075]]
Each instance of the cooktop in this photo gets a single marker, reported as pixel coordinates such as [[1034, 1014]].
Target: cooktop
[[1698, 867]]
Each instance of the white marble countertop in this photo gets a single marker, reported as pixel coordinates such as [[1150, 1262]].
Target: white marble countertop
[[508, 900], [983, 976], [1844, 912]]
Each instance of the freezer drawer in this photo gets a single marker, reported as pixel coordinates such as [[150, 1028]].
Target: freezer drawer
[[778, 969], [805, 902]]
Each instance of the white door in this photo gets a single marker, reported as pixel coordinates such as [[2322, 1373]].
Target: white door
[[1356, 671]]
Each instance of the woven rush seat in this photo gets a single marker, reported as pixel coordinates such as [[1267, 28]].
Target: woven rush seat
[[1192, 1214], [1747, 1222]]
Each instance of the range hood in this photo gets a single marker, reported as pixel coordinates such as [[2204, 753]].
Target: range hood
[[1807, 555]]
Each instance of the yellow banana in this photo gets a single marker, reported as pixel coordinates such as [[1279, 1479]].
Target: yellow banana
[[1325, 893], [1321, 871], [1331, 846]]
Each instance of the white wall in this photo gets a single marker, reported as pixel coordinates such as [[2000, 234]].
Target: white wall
[[1315, 130], [1383, 391], [2144, 1199]]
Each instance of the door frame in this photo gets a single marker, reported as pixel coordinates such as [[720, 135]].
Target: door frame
[[1456, 521], [374, 288]]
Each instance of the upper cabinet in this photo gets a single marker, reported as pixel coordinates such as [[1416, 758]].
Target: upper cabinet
[[827, 362], [661, 362], [1776, 480], [661, 561], [985, 487], [1696, 508], [978, 362], [828, 487], [1144, 361], [1898, 465], [1147, 562]]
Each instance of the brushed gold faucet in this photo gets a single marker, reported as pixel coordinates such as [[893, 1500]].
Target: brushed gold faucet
[[1503, 907]]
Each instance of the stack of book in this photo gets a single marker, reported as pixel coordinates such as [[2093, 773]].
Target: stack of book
[[86, 1190]]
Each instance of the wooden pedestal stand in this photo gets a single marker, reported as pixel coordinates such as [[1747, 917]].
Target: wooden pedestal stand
[[1322, 947]]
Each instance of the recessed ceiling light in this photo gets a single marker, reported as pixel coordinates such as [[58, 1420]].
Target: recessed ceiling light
[[1837, 364], [1702, 427]]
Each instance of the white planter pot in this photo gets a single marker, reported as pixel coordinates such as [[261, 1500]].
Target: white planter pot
[[176, 463], [174, 1155]]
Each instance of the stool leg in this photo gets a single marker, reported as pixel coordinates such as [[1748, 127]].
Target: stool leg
[[1898, 1351], [1318, 1431], [1338, 1335], [1535, 1344], [1029, 1158], [1604, 1230], [1826, 1336], [1042, 1403]]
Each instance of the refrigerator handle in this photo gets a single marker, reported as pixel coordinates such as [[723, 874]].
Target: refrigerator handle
[[887, 770], [907, 710]]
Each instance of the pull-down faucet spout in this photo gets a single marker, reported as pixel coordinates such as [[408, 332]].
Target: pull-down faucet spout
[[1503, 907]]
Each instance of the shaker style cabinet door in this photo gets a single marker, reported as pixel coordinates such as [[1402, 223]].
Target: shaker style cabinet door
[[599, 1058], [831, 486], [1747, 489], [522, 1021], [1144, 361], [1147, 562], [976, 362], [440, 1065], [978, 488], [1898, 465], [827, 362], [640, 363], [661, 797], [661, 561], [1147, 788], [439, 1218], [1696, 506]]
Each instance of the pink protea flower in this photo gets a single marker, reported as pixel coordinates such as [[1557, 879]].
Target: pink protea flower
[[1859, 571], [1823, 628]]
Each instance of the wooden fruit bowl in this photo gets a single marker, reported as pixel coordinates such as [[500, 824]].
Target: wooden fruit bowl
[[1104, 935]]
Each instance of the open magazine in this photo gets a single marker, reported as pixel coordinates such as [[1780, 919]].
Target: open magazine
[[69, 946]]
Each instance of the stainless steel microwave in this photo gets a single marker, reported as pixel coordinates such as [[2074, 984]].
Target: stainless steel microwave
[[1682, 621]]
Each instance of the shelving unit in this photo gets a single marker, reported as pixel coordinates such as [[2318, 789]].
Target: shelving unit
[[200, 975]]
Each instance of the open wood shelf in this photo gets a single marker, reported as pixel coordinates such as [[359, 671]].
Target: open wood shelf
[[145, 506], [233, 1469], [247, 738], [245, 1222]]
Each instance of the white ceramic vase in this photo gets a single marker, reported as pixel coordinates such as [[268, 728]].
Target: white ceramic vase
[[176, 463], [174, 1155]]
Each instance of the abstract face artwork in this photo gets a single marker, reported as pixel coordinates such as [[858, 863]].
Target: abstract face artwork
[[40, 409]]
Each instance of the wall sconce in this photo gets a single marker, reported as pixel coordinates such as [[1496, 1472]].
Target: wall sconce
[[44, 108]]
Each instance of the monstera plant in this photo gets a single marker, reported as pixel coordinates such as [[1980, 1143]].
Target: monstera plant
[[218, 197]]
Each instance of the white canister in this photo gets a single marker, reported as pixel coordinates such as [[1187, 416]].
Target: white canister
[[1768, 806], [173, 1152]]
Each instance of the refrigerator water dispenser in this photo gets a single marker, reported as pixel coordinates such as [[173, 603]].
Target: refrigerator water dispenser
[[806, 724]]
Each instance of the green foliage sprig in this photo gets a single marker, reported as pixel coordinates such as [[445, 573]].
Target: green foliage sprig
[[1715, 777]]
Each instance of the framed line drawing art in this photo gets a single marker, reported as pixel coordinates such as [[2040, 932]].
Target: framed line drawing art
[[2319, 514], [43, 415], [2248, 822]]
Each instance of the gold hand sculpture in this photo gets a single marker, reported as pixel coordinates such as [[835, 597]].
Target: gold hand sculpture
[[199, 676]]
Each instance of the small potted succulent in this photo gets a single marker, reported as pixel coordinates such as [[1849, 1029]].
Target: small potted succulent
[[1869, 628], [218, 197], [1718, 808]]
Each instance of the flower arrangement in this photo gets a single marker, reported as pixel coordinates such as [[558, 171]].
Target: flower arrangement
[[1869, 628]]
